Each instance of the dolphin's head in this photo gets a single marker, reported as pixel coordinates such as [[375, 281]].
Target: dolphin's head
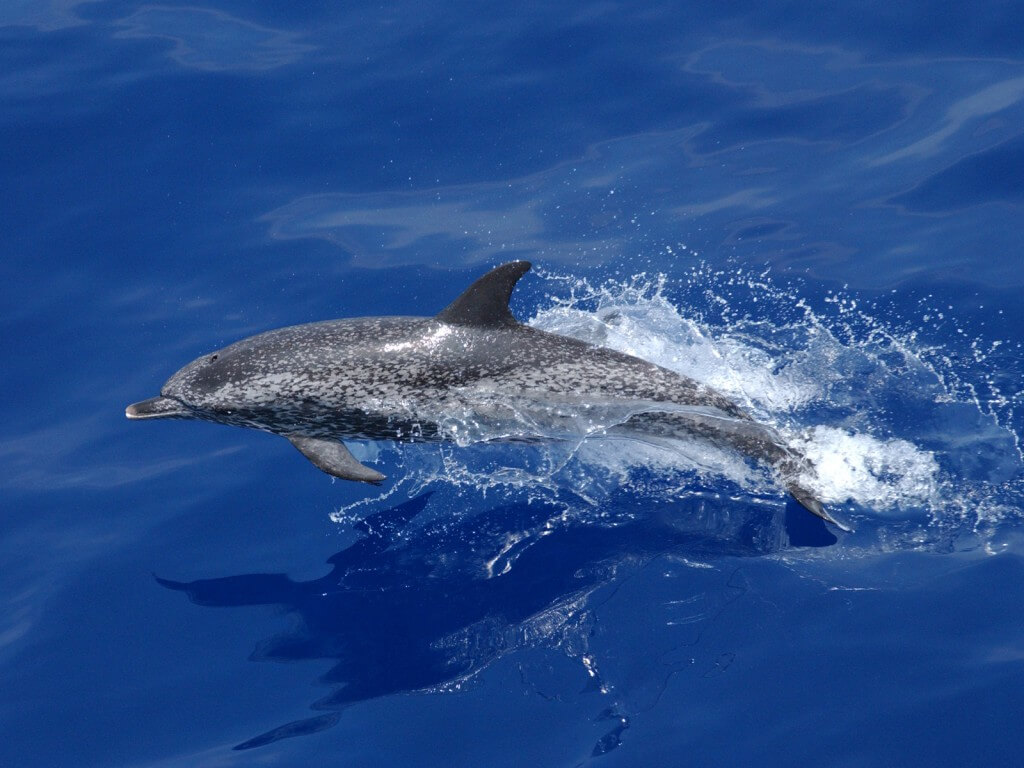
[[220, 386], [188, 394]]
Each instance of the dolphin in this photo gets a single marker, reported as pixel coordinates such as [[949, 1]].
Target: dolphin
[[471, 369]]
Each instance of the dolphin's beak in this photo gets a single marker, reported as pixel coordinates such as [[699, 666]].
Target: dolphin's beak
[[157, 408]]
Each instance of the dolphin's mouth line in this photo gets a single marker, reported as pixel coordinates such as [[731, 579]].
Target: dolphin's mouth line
[[162, 407]]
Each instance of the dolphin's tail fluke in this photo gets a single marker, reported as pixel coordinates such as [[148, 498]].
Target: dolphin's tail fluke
[[812, 505], [793, 468]]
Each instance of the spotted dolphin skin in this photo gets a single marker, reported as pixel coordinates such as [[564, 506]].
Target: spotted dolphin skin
[[472, 369]]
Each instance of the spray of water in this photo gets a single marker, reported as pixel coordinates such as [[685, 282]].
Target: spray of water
[[898, 426]]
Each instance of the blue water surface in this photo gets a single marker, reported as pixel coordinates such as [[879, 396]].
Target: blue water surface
[[818, 211]]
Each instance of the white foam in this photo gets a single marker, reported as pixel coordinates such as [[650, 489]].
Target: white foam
[[883, 475]]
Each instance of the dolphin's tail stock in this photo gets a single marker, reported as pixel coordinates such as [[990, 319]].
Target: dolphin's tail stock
[[747, 436]]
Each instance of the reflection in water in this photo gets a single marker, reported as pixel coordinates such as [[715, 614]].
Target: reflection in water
[[214, 41], [405, 611]]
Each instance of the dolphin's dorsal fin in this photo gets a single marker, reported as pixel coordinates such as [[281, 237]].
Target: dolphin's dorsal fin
[[485, 302]]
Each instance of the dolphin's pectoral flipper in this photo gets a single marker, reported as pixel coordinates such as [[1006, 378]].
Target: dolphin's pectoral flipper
[[334, 458]]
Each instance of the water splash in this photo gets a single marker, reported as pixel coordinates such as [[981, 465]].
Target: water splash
[[900, 422]]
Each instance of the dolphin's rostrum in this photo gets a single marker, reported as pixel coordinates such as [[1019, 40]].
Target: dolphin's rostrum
[[473, 366]]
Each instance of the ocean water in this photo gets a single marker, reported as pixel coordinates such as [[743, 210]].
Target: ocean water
[[818, 213]]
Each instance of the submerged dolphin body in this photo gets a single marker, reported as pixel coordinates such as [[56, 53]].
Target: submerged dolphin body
[[473, 366]]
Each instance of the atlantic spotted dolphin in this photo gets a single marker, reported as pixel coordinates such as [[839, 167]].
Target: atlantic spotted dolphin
[[473, 367]]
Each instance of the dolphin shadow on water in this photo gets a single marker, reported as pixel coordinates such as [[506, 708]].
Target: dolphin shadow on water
[[403, 612]]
